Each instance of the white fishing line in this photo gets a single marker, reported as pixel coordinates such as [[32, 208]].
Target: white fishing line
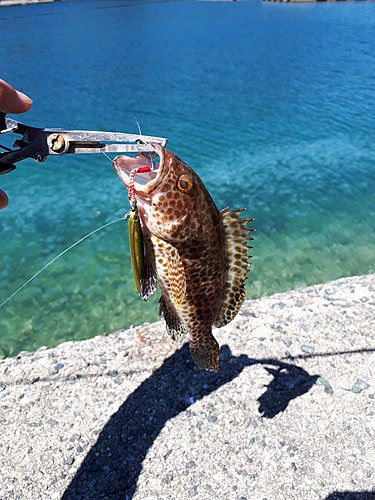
[[138, 125], [109, 158], [60, 254], [150, 154]]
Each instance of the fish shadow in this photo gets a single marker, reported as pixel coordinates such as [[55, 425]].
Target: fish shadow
[[113, 465]]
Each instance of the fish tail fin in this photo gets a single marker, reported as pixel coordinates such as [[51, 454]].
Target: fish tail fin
[[205, 351]]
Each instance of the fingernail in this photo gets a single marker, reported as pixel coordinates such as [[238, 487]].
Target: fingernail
[[24, 98]]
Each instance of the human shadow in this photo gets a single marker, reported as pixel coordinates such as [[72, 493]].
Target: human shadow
[[351, 495], [114, 463]]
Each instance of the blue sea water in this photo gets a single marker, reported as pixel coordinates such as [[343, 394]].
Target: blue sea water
[[271, 103]]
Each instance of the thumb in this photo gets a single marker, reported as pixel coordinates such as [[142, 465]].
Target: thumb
[[12, 101], [3, 199]]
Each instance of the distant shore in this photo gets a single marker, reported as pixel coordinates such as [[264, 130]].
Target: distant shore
[[309, 1], [4, 3]]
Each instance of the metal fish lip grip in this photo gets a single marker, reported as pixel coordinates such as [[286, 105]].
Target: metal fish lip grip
[[39, 143]]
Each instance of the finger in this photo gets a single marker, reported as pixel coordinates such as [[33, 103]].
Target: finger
[[3, 199], [12, 101]]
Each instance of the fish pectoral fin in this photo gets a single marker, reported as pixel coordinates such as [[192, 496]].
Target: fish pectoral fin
[[176, 328], [148, 280], [176, 278], [236, 234], [170, 270]]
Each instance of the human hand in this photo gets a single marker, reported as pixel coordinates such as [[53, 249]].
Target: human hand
[[11, 101], [3, 199]]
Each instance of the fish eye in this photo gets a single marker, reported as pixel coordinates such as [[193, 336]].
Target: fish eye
[[184, 183]]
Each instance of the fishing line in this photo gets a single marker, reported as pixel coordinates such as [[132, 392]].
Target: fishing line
[[62, 253], [138, 125], [109, 158], [150, 154]]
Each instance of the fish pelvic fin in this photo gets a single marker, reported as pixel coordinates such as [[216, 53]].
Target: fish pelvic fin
[[205, 351], [236, 234], [148, 280], [176, 328]]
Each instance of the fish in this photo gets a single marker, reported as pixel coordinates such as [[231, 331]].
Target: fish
[[197, 254]]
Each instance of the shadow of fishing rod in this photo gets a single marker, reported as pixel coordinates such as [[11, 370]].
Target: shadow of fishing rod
[[328, 354]]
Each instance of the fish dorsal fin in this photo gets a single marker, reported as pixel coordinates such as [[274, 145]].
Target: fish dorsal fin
[[176, 328], [170, 270], [238, 260]]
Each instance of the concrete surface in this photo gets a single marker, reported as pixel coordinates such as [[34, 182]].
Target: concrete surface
[[290, 415]]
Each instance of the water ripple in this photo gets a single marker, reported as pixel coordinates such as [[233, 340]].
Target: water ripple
[[272, 104]]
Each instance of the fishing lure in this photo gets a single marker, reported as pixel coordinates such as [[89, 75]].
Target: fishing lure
[[137, 250]]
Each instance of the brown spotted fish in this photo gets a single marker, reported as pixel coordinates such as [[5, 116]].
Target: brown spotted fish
[[196, 253]]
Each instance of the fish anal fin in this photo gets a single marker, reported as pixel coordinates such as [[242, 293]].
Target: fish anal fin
[[176, 328], [236, 234]]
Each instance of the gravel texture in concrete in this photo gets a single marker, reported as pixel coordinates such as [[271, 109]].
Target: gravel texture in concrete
[[290, 415]]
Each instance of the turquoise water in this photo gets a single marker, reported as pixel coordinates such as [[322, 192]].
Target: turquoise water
[[272, 104]]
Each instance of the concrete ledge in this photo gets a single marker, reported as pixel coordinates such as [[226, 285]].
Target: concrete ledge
[[290, 415]]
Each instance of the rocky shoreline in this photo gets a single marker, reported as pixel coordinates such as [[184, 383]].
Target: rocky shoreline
[[290, 415]]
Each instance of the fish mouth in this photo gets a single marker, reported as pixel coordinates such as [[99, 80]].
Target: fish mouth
[[144, 182]]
